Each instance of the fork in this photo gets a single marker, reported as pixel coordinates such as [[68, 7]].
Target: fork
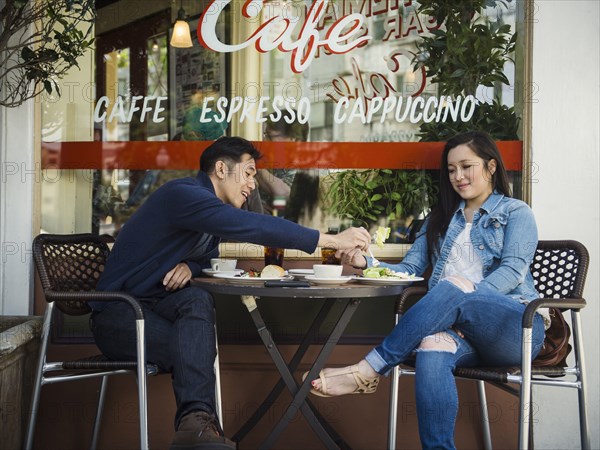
[[375, 260]]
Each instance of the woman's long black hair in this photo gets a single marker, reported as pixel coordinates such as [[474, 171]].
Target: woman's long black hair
[[448, 199]]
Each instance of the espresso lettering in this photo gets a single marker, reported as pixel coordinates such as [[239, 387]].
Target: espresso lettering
[[252, 109]]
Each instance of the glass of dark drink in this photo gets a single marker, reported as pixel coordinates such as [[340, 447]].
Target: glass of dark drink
[[274, 255], [328, 256]]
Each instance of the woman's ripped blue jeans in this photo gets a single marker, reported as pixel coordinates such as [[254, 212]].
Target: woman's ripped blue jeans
[[491, 325]]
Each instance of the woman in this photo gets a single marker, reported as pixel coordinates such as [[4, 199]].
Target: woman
[[479, 243]]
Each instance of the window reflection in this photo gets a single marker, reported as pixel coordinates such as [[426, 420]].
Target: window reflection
[[135, 68], [117, 193]]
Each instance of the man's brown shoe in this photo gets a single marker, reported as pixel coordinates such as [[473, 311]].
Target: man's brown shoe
[[199, 430]]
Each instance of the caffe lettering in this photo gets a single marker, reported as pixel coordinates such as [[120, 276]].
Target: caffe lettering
[[146, 106]]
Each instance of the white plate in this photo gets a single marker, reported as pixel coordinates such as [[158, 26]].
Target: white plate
[[301, 274], [233, 279], [212, 273], [334, 280], [387, 280]]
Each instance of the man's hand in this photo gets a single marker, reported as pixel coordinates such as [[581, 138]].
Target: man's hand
[[177, 277], [350, 238]]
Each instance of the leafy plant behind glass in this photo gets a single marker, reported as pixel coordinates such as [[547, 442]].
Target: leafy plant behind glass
[[467, 50], [500, 121], [363, 196], [40, 41]]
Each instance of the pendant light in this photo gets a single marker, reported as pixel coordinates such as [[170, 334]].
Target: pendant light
[[181, 37]]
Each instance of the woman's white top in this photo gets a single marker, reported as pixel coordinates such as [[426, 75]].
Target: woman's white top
[[463, 260]]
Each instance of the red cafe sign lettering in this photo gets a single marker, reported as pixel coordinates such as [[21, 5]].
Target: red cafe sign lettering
[[341, 36]]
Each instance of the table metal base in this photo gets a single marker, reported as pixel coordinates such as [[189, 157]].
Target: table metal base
[[300, 393], [348, 296]]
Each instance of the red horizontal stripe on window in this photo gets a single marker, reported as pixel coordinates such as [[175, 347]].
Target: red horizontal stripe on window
[[300, 155]]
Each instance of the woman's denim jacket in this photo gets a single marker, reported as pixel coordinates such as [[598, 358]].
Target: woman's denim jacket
[[504, 235]]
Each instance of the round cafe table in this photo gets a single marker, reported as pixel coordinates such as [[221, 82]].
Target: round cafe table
[[349, 294]]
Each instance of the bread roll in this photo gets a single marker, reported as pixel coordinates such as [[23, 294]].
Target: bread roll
[[272, 271]]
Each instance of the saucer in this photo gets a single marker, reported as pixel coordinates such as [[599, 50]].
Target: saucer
[[386, 280], [301, 274], [325, 281], [212, 273], [237, 279]]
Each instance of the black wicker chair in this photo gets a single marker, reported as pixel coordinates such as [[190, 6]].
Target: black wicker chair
[[559, 270], [69, 267]]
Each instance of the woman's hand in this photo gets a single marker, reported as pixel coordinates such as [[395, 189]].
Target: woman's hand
[[352, 256], [348, 239], [177, 277]]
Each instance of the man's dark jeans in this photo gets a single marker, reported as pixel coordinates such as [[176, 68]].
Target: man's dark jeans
[[180, 338]]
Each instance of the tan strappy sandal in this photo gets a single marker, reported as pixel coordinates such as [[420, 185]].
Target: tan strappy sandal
[[363, 385]]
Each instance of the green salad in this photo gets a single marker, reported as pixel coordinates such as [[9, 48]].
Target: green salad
[[385, 272]]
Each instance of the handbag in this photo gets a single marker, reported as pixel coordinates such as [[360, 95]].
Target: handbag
[[556, 346]]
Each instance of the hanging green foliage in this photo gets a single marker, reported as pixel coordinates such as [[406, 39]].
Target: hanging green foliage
[[463, 56], [500, 121], [40, 41], [466, 51]]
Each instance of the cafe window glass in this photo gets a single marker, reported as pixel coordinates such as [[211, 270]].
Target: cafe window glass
[[135, 113], [365, 81]]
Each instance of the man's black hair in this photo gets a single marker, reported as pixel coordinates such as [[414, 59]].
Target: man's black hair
[[229, 149]]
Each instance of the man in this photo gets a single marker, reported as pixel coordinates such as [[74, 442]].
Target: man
[[169, 240]]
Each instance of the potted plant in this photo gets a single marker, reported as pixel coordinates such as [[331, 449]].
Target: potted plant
[[367, 197]]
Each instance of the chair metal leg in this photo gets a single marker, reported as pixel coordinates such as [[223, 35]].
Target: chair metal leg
[[99, 412], [580, 359], [485, 418], [218, 402], [39, 375], [393, 419], [394, 388], [525, 406], [141, 375]]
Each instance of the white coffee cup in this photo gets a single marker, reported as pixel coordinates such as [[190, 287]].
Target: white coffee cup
[[223, 265], [328, 270]]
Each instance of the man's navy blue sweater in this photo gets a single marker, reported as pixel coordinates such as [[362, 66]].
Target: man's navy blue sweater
[[170, 224]]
